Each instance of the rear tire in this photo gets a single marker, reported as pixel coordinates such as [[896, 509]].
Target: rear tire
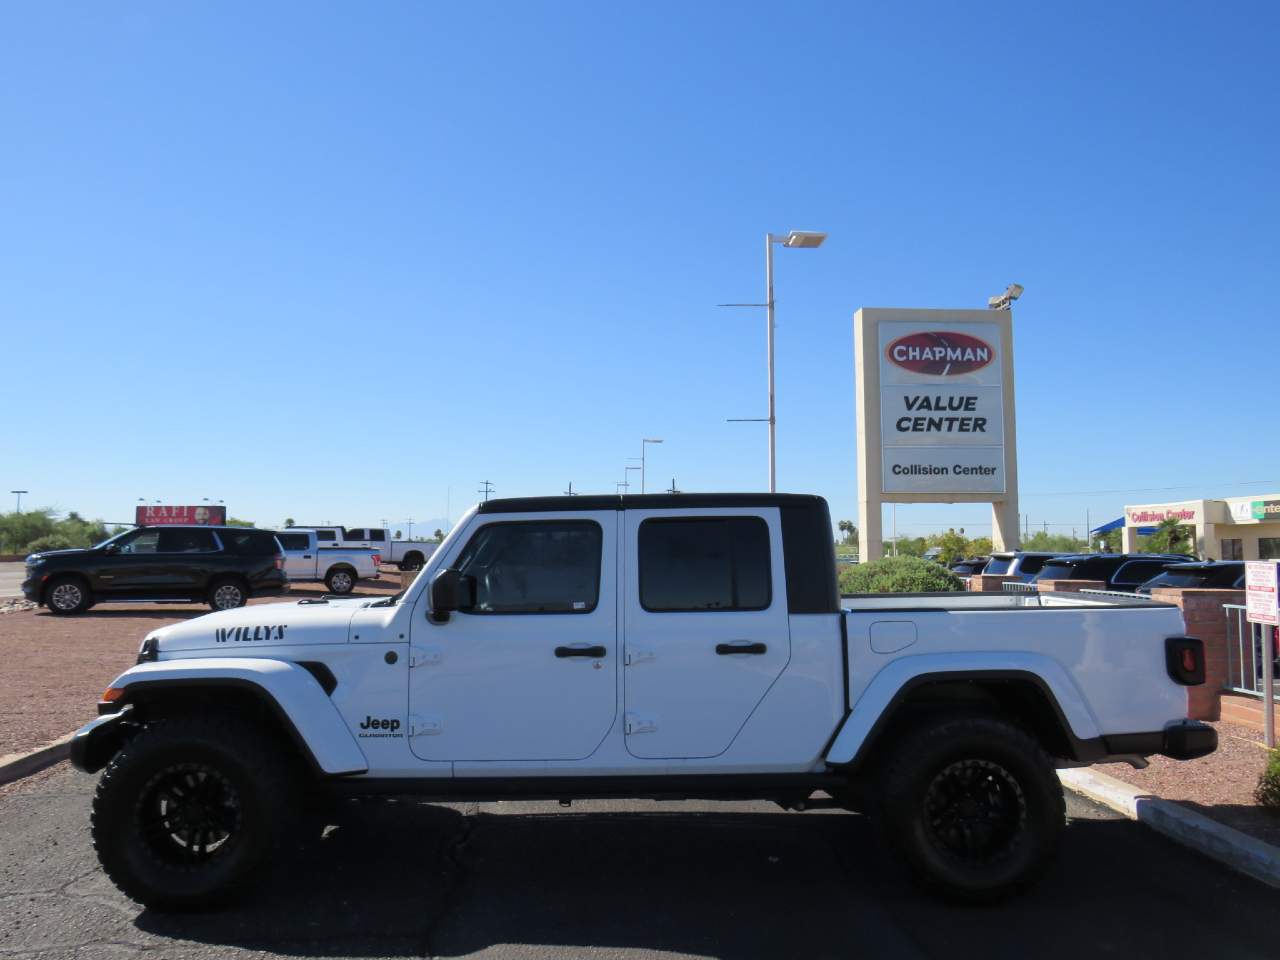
[[340, 581], [412, 561], [187, 813], [974, 806], [227, 595], [68, 595]]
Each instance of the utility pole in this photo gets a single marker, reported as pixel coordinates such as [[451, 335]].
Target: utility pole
[[18, 508], [569, 492], [411, 528], [486, 488], [622, 486], [672, 488]]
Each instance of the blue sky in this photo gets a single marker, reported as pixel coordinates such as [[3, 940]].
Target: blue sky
[[343, 262]]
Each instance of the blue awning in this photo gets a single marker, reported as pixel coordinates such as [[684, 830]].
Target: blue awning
[[1117, 523]]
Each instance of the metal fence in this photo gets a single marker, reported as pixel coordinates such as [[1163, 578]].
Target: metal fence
[[1246, 646], [1015, 586]]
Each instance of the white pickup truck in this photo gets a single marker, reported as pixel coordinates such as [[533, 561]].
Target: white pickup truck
[[338, 568], [405, 554], [667, 646]]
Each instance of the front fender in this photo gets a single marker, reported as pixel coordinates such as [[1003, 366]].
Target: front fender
[[290, 691], [898, 677]]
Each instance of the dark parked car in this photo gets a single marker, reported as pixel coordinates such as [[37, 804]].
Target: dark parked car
[[221, 566], [968, 567], [1205, 574], [1023, 564], [1120, 571]]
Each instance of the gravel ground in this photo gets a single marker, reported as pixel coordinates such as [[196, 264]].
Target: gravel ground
[[56, 667], [1219, 785]]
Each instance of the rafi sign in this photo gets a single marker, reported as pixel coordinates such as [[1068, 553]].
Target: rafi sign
[[940, 353]]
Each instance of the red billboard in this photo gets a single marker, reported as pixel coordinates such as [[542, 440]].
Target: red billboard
[[160, 514]]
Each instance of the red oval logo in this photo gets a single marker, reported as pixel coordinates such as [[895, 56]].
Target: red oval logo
[[939, 353]]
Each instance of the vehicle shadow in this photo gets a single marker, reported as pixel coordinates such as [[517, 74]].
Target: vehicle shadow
[[411, 878], [165, 612]]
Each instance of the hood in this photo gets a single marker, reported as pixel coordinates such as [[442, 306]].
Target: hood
[[245, 629], [66, 552]]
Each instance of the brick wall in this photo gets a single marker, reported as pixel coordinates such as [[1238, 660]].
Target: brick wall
[[1069, 586], [989, 582], [1205, 618]]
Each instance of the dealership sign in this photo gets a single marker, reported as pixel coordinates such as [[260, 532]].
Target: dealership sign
[[941, 408], [160, 515]]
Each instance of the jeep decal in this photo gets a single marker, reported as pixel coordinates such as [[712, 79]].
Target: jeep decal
[[250, 634]]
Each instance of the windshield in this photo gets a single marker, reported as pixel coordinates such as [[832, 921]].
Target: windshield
[[998, 565], [114, 536]]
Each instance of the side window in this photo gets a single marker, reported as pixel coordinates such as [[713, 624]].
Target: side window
[[378, 535], [543, 566], [248, 543], [145, 542], [183, 540], [293, 541], [326, 536], [711, 563], [1135, 571]]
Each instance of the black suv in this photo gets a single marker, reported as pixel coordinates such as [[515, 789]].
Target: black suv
[[1204, 574], [221, 566], [1120, 571]]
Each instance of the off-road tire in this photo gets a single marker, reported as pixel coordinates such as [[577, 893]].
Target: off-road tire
[[68, 595], [227, 594], [158, 870], [341, 581], [973, 805]]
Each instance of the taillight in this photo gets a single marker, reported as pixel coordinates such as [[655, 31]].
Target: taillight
[[377, 560], [1184, 660], [279, 561]]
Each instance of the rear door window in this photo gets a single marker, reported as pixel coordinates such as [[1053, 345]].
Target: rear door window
[[294, 541], [326, 536], [711, 563], [1138, 571], [1054, 570], [252, 543], [186, 540], [1031, 565]]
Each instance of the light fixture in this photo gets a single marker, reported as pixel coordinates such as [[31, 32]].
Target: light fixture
[[1005, 300], [804, 238]]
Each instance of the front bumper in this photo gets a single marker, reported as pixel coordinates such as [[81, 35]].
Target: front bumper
[[33, 586], [94, 744]]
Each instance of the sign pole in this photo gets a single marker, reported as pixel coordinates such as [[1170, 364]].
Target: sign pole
[[1261, 589]]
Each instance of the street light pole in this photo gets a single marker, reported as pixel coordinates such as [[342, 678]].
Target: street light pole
[[796, 239], [643, 442]]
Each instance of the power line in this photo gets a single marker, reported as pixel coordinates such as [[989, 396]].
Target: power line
[[1185, 486]]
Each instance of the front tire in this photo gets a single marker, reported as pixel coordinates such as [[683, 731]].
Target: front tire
[[227, 595], [340, 581], [68, 595], [186, 814], [974, 806]]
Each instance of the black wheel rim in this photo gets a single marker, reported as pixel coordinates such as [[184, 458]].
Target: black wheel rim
[[189, 814], [975, 811]]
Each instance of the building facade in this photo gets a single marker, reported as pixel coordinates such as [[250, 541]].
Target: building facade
[[1235, 528]]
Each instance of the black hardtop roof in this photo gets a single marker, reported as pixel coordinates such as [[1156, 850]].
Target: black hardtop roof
[[1073, 558], [1027, 553], [650, 501], [1202, 564]]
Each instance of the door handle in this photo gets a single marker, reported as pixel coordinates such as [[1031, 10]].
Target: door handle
[[726, 649], [595, 653], [306, 556]]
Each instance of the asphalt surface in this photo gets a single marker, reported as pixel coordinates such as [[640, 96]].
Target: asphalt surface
[[620, 881], [11, 577]]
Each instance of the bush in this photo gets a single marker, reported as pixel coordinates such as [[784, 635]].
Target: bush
[[898, 575], [54, 541], [1268, 790]]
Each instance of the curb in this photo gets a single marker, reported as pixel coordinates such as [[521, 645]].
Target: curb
[[1228, 846], [15, 766]]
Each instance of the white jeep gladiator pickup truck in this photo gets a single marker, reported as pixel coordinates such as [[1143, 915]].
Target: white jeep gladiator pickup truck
[[664, 646], [305, 559]]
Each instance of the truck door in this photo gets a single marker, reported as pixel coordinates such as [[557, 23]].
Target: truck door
[[705, 626], [529, 672], [299, 555]]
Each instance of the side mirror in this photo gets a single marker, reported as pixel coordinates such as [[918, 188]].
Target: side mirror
[[111, 548], [451, 591]]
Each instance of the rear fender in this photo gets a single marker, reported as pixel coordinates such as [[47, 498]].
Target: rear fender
[[290, 691], [898, 678]]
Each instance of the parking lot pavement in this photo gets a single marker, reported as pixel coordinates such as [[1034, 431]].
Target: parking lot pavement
[[11, 576], [621, 880]]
